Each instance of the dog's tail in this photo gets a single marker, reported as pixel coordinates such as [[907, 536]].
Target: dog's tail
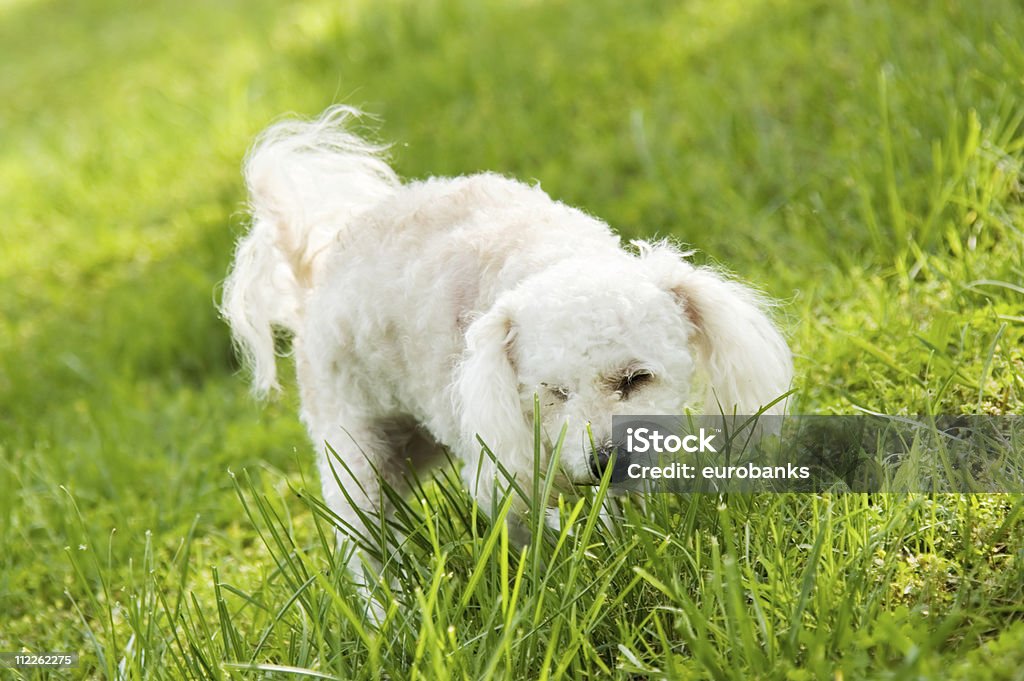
[[307, 182]]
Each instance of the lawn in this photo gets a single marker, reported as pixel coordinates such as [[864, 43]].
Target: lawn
[[861, 161]]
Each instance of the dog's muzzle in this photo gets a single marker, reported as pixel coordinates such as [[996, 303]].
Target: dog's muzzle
[[602, 455]]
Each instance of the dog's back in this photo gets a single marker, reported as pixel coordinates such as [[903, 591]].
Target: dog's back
[[325, 204]]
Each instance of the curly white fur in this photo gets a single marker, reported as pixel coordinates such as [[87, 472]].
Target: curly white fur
[[431, 313]]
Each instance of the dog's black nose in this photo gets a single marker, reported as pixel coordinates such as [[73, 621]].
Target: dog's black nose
[[602, 454]]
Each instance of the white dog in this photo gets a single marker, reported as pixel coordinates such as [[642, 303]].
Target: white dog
[[429, 314]]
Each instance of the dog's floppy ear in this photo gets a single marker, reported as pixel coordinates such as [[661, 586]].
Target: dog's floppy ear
[[744, 358], [487, 392]]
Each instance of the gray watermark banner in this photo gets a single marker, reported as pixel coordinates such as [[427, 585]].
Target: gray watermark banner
[[863, 453]]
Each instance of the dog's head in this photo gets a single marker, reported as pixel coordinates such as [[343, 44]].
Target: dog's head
[[644, 334]]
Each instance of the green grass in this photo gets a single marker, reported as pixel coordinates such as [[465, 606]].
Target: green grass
[[862, 161]]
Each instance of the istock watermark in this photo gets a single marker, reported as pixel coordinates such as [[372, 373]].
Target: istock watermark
[[745, 454], [643, 440]]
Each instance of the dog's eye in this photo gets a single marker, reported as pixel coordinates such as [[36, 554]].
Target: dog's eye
[[559, 392], [633, 382]]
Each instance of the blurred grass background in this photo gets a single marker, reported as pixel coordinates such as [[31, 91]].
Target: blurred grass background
[[860, 160]]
